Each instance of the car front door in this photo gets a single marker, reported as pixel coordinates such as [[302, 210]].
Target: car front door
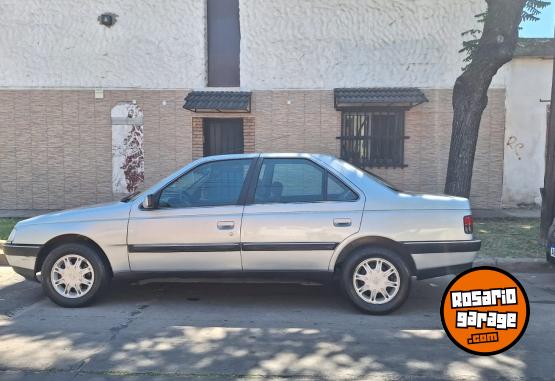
[[296, 216], [197, 223]]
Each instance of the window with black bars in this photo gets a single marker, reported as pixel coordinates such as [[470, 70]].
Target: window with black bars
[[373, 138]]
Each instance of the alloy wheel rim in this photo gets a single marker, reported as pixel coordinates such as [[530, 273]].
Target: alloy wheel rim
[[72, 276], [376, 280]]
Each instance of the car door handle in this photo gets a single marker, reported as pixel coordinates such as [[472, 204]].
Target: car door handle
[[226, 225], [341, 222]]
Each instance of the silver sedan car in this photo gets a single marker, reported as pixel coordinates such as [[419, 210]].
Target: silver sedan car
[[254, 214]]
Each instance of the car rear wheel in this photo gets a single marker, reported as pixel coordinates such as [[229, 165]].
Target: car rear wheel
[[376, 280], [73, 275]]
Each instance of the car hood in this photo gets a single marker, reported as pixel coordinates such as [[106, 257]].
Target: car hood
[[108, 211]]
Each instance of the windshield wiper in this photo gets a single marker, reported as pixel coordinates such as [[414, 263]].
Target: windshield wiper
[[130, 196]]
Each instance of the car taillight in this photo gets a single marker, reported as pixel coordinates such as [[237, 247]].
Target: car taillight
[[468, 223]]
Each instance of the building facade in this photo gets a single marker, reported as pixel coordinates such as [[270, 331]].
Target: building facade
[[92, 94]]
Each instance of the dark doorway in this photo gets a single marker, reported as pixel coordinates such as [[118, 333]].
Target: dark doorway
[[223, 136]]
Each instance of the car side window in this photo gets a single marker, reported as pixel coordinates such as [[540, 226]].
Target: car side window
[[289, 180], [215, 183], [298, 180], [337, 191]]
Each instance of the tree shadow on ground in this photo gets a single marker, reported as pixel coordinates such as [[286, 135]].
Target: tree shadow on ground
[[231, 331]]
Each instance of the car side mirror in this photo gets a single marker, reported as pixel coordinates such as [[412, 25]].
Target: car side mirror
[[149, 202]]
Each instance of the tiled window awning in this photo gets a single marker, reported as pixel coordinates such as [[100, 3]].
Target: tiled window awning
[[405, 97], [218, 101]]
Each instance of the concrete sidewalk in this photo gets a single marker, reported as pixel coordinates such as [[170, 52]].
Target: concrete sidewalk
[[517, 265], [3, 261], [24, 213], [507, 213]]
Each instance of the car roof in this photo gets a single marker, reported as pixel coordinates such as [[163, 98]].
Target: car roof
[[266, 155], [229, 157]]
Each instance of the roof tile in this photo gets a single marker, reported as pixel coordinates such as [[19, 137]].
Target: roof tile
[[218, 101], [535, 47], [378, 96]]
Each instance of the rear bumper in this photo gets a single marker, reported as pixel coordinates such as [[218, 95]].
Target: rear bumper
[[440, 271], [425, 247], [438, 258], [22, 258]]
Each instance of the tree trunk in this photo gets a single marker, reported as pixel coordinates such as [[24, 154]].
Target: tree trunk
[[548, 194], [495, 48]]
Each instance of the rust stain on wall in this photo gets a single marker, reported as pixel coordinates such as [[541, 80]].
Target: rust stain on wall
[[127, 147]]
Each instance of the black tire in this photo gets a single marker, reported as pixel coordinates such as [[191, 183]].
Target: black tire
[[355, 259], [101, 274]]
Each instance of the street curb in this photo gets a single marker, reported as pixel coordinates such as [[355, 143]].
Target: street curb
[[517, 265], [3, 261]]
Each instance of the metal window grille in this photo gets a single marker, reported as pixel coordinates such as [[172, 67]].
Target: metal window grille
[[373, 138]]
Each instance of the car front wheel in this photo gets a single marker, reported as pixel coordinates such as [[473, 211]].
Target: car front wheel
[[376, 280], [73, 275]]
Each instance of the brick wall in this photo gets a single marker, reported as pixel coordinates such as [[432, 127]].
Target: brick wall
[[249, 135], [305, 121], [198, 132], [198, 137], [427, 150], [57, 143], [56, 150]]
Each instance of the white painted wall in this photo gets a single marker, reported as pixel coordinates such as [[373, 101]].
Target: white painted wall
[[59, 43], [332, 43], [527, 81], [285, 43]]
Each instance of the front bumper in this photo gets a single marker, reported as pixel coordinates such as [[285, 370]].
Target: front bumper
[[22, 258], [437, 258]]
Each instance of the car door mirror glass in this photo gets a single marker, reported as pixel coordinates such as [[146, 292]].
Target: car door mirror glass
[[149, 202]]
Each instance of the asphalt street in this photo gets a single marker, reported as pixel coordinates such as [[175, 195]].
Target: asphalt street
[[176, 330]]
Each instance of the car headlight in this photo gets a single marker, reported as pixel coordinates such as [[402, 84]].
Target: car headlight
[[11, 237]]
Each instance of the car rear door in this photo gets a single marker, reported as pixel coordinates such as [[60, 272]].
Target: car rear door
[[197, 224], [296, 214]]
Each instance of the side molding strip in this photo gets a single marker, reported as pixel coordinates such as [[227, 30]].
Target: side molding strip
[[289, 246], [196, 248]]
